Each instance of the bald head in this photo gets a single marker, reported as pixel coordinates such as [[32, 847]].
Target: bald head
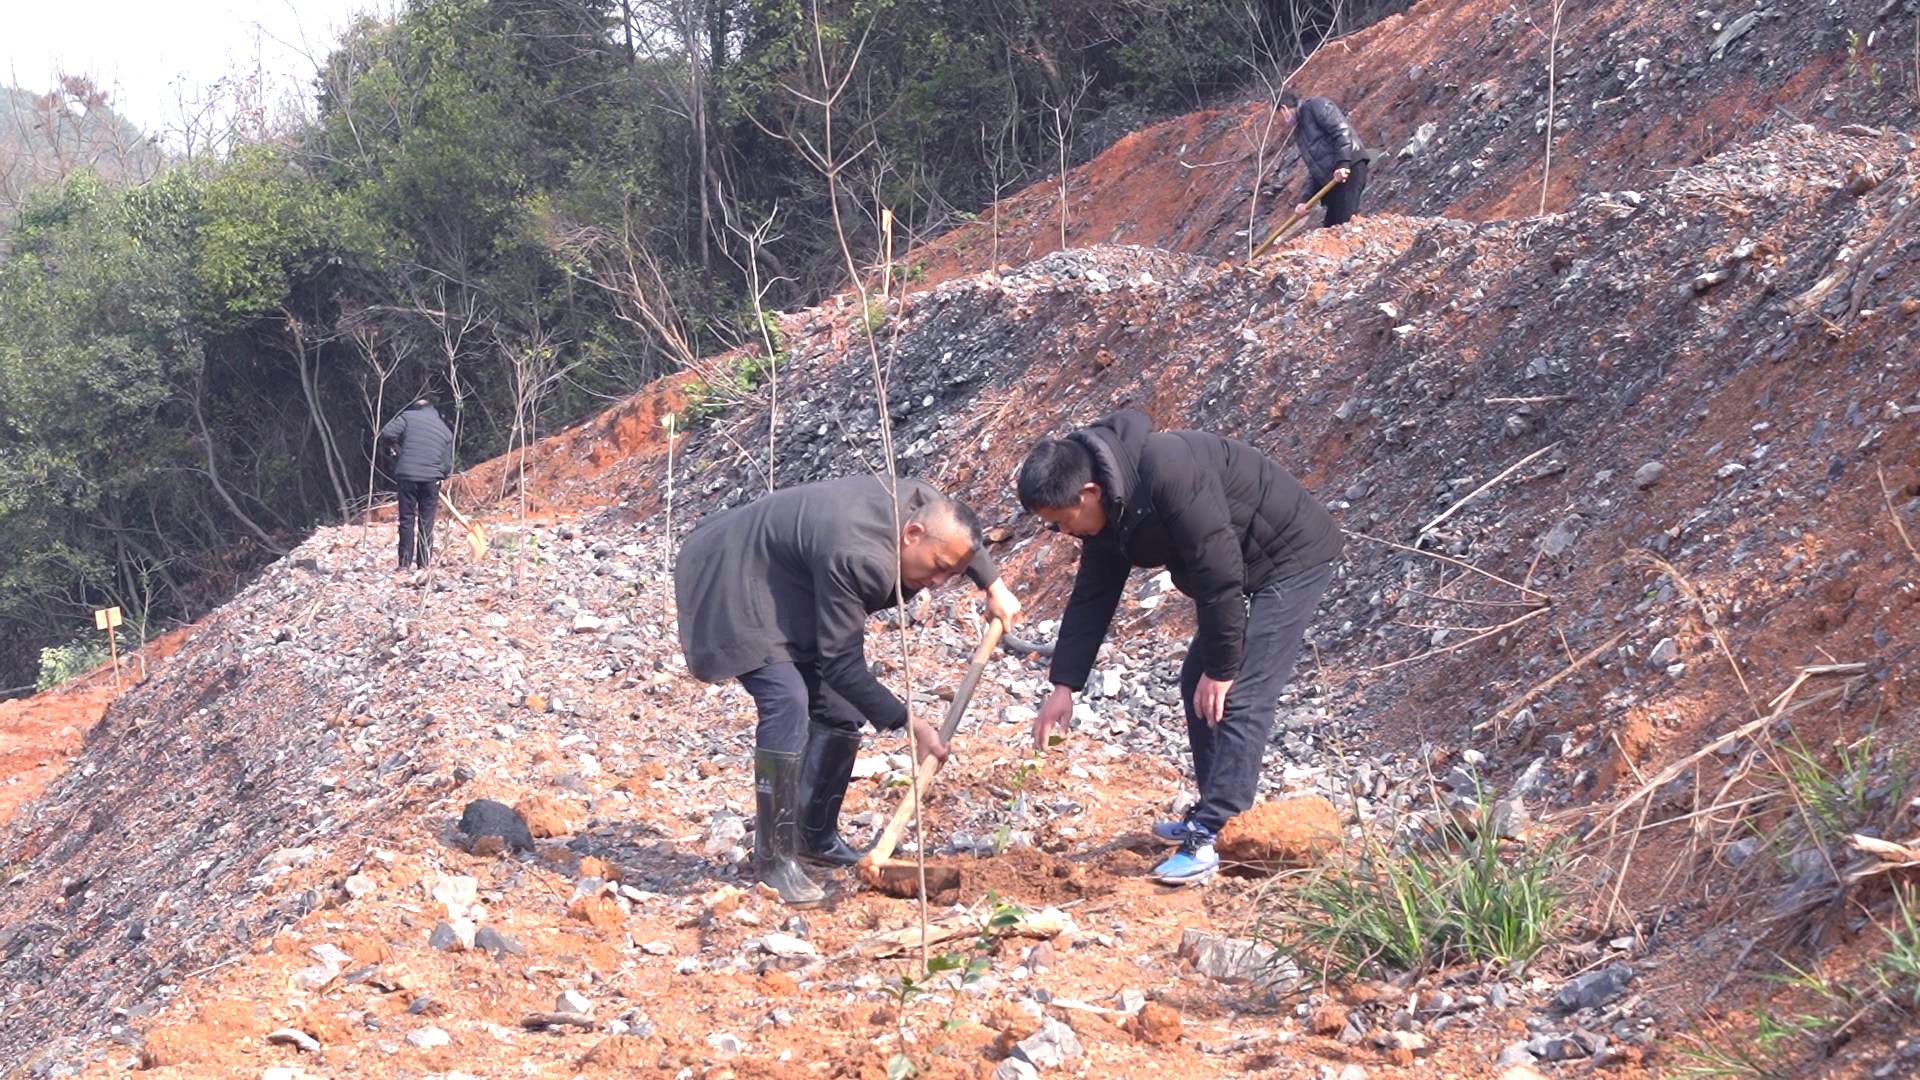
[[937, 542]]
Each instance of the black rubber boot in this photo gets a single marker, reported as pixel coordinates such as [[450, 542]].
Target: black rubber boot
[[776, 803], [830, 755]]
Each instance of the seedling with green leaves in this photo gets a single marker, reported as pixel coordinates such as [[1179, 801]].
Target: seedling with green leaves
[[948, 970]]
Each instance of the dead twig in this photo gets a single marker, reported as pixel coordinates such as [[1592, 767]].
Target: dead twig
[[1678, 768], [1700, 605], [1508, 625], [1467, 600], [1886, 495], [1892, 856], [1544, 599], [1534, 694], [1476, 492]]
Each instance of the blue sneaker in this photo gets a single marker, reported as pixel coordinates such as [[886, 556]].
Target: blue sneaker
[[1173, 833], [1195, 861]]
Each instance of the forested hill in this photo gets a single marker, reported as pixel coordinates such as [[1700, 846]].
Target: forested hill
[[46, 136], [520, 207]]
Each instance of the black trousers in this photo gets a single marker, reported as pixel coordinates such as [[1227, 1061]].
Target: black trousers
[[790, 697], [1344, 201], [419, 499], [1227, 757]]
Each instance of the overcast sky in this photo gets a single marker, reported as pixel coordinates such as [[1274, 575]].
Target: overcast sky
[[148, 53]]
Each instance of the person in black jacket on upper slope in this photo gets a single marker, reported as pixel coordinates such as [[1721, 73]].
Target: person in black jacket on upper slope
[[1330, 151], [425, 459], [1240, 536], [776, 593]]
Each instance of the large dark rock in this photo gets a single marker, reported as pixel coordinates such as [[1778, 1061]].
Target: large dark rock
[[492, 827]]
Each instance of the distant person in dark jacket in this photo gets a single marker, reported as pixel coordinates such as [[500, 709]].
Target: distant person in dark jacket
[[1330, 151], [1238, 534], [776, 593], [424, 459]]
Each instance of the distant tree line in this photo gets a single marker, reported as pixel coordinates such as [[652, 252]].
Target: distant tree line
[[520, 207]]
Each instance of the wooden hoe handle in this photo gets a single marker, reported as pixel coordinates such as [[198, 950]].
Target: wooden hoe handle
[[924, 772], [1294, 217]]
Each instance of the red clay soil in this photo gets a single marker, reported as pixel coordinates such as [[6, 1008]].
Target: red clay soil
[[39, 735]]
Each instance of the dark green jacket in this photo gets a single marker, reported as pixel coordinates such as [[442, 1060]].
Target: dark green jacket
[[792, 577]]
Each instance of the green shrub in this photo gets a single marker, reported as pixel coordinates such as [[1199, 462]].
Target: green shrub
[[63, 662]]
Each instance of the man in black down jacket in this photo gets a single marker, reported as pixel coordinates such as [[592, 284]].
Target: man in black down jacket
[[1330, 151], [425, 459], [776, 593], [1238, 534]]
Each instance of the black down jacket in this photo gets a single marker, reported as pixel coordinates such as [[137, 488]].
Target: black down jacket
[[1326, 142], [1223, 518], [426, 444]]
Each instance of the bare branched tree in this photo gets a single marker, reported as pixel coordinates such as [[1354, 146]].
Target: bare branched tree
[[1063, 112], [756, 240]]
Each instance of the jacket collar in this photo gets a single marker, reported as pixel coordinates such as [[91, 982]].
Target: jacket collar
[[1115, 444]]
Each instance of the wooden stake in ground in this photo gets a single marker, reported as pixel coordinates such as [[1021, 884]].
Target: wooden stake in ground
[[886, 240], [106, 619]]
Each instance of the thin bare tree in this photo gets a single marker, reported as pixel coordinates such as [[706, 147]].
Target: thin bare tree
[[1064, 112], [1558, 8]]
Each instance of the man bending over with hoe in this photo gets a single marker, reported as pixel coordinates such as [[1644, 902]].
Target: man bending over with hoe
[[1239, 535], [1330, 151], [776, 593]]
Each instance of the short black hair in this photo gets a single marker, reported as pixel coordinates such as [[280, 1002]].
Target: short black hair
[[1053, 474], [947, 509], [1288, 100]]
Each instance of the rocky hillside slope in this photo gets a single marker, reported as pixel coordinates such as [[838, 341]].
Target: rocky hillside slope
[[1456, 95], [1616, 477]]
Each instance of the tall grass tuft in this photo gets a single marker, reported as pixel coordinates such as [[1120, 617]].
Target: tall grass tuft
[[1455, 897]]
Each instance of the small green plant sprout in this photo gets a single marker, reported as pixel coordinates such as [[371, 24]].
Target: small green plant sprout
[[1857, 63], [1015, 805], [1897, 968], [949, 970]]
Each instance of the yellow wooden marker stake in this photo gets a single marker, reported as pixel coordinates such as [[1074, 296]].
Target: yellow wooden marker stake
[[886, 272], [106, 619]]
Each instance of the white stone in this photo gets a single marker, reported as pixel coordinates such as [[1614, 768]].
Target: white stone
[[285, 859], [787, 945], [429, 1037], [294, 1037], [331, 954], [359, 885], [456, 892]]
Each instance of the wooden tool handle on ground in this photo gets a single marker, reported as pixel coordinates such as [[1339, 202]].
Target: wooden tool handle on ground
[[476, 536], [924, 772], [455, 511], [1293, 218]]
